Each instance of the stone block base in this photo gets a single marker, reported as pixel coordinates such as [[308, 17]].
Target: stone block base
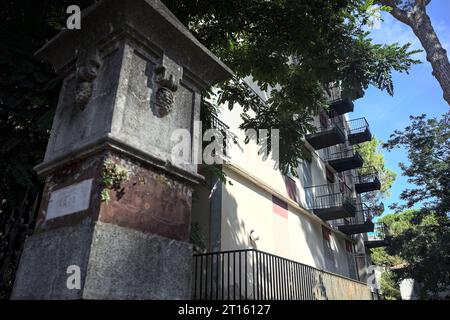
[[114, 263]]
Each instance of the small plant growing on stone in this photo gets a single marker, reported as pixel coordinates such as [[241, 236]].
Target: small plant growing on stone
[[113, 175]]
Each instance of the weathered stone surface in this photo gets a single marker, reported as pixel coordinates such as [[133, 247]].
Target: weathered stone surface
[[137, 76], [45, 259], [115, 263], [150, 201], [75, 173], [127, 264]]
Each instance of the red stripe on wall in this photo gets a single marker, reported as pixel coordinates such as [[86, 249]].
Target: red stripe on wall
[[279, 207]]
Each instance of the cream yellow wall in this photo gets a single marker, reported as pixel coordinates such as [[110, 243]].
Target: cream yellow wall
[[245, 206]]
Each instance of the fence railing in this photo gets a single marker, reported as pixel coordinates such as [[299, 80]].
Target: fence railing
[[363, 213], [380, 233], [357, 125], [330, 195], [325, 121], [365, 175], [334, 153], [218, 124], [252, 274]]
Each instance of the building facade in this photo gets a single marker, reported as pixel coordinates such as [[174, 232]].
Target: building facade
[[315, 218]]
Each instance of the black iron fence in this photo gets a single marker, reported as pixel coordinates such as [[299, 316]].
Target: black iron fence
[[16, 225], [252, 274]]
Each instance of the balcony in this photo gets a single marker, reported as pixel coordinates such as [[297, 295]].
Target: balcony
[[251, 274], [344, 160], [361, 223], [218, 124], [379, 237], [366, 180], [358, 131], [329, 132], [338, 105], [226, 135], [331, 201]]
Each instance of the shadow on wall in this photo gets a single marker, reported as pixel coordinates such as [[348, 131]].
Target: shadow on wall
[[235, 230], [238, 230], [312, 235]]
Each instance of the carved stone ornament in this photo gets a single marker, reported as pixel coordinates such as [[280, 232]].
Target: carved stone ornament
[[167, 85], [86, 72]]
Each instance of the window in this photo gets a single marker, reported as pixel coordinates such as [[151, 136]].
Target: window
[[348, 246], [326, 233], [328, 250], [291, 188], [330, 176], [352, 273]]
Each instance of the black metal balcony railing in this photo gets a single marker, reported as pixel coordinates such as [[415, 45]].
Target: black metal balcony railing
[[329, 132], [331, 201], [380, 237], [218, 124], [252, 274], [344, 159], [360, 223], [338, 104], [363, 213], [366, 179], [358, 131], [226, 135]]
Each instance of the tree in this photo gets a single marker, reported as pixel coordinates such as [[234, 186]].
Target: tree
[[414, 14], [294, 48], [427, 142], [422, 240], [420, 245], [258, 38], [421, 236], [389, 286], [374, 159]]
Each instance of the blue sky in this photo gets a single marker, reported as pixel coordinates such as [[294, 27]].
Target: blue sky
[[416, 93]]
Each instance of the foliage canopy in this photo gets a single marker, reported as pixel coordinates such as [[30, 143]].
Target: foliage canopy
[[295, 47]]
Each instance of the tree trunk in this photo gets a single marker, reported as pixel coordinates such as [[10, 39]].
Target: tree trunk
[[419, 21], [436, 54]]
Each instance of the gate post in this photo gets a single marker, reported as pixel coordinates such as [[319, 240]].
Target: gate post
[[114, 222]]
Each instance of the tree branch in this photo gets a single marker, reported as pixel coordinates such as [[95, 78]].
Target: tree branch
[[398, 13]]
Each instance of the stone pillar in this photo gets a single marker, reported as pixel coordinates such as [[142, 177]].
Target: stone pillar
[[116, 206]]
